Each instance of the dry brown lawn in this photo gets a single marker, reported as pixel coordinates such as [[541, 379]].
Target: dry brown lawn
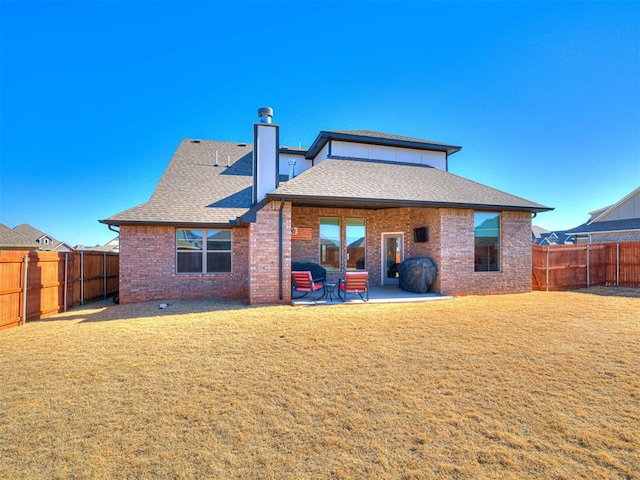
[[540, 385]]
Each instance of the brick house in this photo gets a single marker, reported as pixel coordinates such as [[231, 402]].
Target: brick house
[[227, 219]]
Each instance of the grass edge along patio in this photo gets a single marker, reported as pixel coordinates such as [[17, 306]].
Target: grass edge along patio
[[227, 219]]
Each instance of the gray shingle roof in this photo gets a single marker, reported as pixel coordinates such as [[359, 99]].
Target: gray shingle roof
[[35, 235], [9, 238], [193, 190], [608, 226], [371, 183]]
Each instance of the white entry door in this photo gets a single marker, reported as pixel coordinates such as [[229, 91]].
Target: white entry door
[[392, 255]]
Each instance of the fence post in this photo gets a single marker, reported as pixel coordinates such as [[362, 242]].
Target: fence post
[[588, 267], [617, 264], [66, 278], [104, 276], [547, 275], [81, 277], [24, 290]]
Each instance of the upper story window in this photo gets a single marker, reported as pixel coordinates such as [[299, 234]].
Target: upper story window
[[330, 243], [203, 251], [486, 233]]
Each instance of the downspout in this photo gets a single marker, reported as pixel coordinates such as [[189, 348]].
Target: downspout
[[112, 228], [281, 246]]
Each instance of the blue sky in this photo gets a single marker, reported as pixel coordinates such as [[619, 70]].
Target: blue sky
[[543, 97]]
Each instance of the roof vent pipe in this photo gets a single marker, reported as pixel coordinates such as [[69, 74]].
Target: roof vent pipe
[[265, 114], [292, 168]]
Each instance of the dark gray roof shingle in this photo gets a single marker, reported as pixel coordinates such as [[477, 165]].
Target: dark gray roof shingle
[[608, 226], [194, 190], [34, 234], [389, 183], [9, 238]]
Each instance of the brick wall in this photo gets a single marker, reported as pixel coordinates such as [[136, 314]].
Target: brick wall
[[457, 265], [264, 255], [148, 268], [402, 220], [309, 250], [450, 245], [147, 254]]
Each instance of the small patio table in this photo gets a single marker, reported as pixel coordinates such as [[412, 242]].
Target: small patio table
[[329, 290]]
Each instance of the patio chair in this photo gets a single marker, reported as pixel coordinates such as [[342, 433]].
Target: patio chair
[[355, 283], [302, 281]]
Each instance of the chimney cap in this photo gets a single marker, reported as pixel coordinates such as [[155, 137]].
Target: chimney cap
[[265, 114]]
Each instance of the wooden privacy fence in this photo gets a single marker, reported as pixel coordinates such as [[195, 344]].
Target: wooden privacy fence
[[569, 267], [35, 285]]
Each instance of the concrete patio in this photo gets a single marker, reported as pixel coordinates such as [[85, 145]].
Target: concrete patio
[[376, 295]]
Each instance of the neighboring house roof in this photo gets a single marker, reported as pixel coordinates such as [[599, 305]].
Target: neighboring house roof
[[608, 226], [112, 246], [194, 191], [596, 213], [555, 238], [377, 138], [379, 184], [537, 231], [601, 214], [43, 240], [627, 208], [10, 238]]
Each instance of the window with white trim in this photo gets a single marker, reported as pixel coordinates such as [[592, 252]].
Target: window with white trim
[[203, 251]]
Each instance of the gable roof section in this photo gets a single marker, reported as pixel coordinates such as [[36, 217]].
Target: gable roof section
[[597, 215], [537, 231], [376, 138], [381, 184], [10, 238], [194, 191], [36, 235]]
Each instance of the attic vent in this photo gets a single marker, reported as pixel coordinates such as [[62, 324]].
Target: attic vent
[[242, 145], [195, 141]]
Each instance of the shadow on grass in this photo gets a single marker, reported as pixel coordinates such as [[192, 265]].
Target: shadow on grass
[[107, 311], [611, 291]]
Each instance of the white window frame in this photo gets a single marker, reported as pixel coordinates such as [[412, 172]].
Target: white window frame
[[204, 251]]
